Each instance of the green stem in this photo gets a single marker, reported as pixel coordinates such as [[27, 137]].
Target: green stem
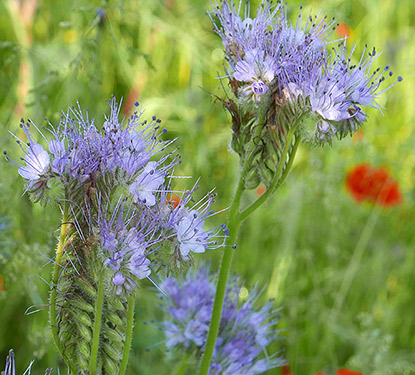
[[235, 220], [233, 226], [53, 294], [129, 334], [97, 327], [278, 178]]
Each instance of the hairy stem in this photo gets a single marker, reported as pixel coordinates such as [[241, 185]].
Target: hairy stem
[[235, 220], [53, 293], [233, 226], [129, 334], [99, 303]]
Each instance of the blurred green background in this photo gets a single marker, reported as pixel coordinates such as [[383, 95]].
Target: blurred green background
[[343, 273]]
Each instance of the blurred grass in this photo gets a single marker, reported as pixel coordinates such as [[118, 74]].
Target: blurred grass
[[299, 246]]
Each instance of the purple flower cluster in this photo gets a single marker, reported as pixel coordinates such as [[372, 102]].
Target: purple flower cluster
[[120, 199], [274, 63], [80, 153], [245, 331]]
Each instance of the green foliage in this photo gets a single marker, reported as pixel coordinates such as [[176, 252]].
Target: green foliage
[[374, 352]]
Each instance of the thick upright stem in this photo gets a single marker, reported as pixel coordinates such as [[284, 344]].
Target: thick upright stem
[[128, 335], [53, 293], [233, 226], [235, 220], [99, 303]]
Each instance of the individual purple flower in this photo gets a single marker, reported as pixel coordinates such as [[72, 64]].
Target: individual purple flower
[[124, 243], [190, 234], [257, 71], [184, 224], [244, 333], [37, 163], [36, 169], [61, 159], [147, 183]]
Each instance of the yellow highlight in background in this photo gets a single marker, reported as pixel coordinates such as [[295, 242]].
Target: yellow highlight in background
[[70, 36]]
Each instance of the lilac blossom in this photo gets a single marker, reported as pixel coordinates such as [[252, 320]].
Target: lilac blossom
[[245, 330]]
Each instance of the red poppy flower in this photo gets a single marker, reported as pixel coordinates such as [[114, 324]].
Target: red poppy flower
[[285, 370], [345, 371], [367, 183], [2, 286]]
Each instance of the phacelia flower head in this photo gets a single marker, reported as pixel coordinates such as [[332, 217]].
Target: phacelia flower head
[[367, 183], [285, 76], [81, 153], [118, 194], [245, 330]]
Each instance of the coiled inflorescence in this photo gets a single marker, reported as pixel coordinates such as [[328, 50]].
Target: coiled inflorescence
[[283, 76], [121, 222], [271, 59], [245, 330]]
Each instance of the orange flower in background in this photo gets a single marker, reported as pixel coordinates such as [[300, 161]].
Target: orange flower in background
[[342, 30], [367, 183], [173, 200], [261, 189], [358, 136]]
